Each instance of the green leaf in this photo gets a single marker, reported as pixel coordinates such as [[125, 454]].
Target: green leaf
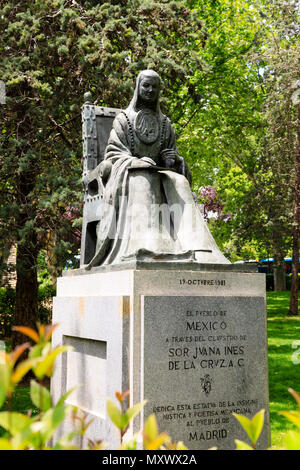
[[153, 440], [244, 422], [65, 442], [52, 419], [2, 394], [40, 396], [131, 444], [5, 444], [252, 427], [22, 369], [27, 438], [292, 440], [14, 422], [240, 445], [257, 425], [39, 350], [293, 416], [114, 413], [44, 367], [150, 429], [65, 396], [132, 412], [5, 374]]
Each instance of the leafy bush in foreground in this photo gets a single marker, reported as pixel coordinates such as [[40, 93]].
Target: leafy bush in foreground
[[28, 432], [25, 432]]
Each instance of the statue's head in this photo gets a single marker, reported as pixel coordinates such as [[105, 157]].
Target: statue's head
[[148, 84], [147, 90]]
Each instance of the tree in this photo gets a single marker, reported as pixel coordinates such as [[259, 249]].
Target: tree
[[223, 130], [51, 53], [54, 51], [246, 121], [280, 58]]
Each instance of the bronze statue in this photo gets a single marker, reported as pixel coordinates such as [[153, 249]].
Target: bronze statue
[[149, 212]]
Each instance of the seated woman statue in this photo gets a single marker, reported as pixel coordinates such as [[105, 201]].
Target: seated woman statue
[[148, 211]]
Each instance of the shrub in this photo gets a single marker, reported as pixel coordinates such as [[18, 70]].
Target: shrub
[[35, 432], [7, 307], [28, 432], [288, 279]]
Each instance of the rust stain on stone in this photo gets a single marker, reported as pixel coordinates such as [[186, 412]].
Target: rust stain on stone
[[81, 306], [124, 306]]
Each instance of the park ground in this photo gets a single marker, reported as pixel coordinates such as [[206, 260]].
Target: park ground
[[284, 362], [284, 366]]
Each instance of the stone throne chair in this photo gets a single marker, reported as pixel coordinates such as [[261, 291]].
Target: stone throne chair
[[97, 122], [96, 126]]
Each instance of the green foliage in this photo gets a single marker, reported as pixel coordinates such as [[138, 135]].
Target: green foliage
[[121, 420], [240, 136], [34, 431], [227, 68], [282, 332], [24, 430], [51, 53], [40, 396], [7, 307], [43, 273], [284, 371], [150, 436], [253, 428], [292, 440]]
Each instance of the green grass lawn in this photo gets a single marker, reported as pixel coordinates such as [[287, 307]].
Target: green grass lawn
[[21, 402], [283, 373]]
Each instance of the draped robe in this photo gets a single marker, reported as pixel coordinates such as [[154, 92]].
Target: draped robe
[[149, 213]]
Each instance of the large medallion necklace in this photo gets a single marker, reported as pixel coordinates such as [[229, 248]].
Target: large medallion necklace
[[146, 126]]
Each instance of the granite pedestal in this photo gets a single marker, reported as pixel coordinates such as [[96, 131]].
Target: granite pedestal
[[189, 338]]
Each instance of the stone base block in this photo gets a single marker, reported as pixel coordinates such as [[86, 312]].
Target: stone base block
[[192, 343]]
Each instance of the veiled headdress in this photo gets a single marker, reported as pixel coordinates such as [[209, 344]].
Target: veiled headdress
[[133, 103]]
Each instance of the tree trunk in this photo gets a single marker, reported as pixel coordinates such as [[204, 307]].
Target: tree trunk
[[293, 310], [26, 310], [51, 258], [279, 273]]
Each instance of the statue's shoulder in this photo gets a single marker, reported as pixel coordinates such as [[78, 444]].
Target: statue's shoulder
[[121, 121], [120, 117]]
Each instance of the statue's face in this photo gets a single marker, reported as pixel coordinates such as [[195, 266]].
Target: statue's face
[[149, 89]]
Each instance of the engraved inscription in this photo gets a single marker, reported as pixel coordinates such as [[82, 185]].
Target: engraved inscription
[[205, 356], [202, 282]]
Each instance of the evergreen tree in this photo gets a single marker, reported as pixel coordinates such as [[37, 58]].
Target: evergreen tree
[[51, 52]]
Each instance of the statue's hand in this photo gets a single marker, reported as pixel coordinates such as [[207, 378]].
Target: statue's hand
[[139, 163], [169, 158], [105, 169], [148, 160]]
